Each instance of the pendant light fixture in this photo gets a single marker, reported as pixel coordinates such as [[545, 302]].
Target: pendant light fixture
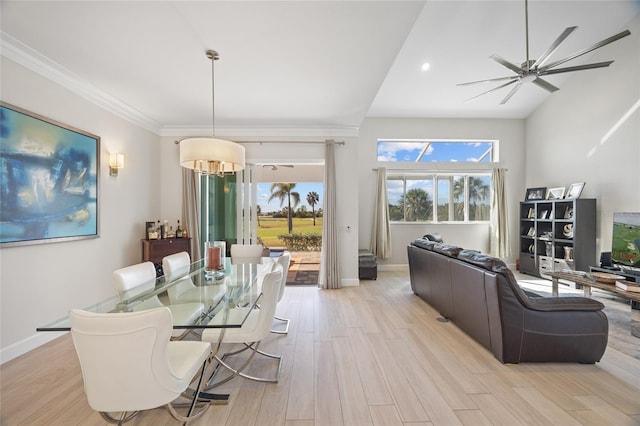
[[212, 156]]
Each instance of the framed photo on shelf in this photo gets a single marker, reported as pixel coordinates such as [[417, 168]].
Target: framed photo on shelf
[[535, 194], [555, 193], [532, 232], [531, 214], [50, 180], [544, 214], [575, 190]]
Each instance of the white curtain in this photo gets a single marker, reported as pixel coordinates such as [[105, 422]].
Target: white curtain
[[381, 232], [191, 208], [329, 276], [499, 227]]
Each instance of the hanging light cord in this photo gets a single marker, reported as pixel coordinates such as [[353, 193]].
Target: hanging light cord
[[213, 55]]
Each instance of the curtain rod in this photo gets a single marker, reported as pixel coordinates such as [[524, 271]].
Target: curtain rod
[[300, 142], [285, 142], [438, 170]]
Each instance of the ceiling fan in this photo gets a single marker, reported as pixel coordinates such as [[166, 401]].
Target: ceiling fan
[[531, 71], [274, 167]]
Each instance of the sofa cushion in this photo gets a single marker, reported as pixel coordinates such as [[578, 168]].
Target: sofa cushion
[[484, 261], [564, 304], [446, 249], [424, 243], [433, 236]]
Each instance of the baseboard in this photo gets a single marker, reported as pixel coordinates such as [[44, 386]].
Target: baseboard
[[393, 268], [349, 282], [28, 344]]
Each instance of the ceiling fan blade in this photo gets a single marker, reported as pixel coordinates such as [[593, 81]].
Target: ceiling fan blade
[[491, 80], [576, 68], [491, 90], [511, 93], [547, 53], [504, 62], [545, 85], [587, 50]]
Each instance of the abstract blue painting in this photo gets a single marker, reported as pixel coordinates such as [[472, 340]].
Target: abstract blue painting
[[48, 180]]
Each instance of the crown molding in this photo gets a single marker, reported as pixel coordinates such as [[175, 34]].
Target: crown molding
[[239, 133], [40, 64], [29, 58]]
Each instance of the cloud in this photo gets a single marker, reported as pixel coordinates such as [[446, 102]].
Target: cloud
[[389, 151]]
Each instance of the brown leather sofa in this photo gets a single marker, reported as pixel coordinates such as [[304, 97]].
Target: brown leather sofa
[[481, 296]]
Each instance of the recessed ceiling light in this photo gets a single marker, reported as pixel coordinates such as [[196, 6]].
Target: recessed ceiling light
[[426, 66]]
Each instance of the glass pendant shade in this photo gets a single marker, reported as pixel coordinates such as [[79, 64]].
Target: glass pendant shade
[[211, 156]]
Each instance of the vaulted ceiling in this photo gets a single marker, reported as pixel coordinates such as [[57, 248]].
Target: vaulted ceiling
[[316, 67]]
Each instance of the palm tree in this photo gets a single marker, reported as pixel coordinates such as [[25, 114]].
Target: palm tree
[[417, 205], [478, 193], [285, 190], [258, 213], [312, 199]]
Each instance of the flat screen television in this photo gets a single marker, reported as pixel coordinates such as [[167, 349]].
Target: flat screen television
[[625, 244]]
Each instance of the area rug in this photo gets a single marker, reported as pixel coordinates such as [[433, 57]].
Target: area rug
[[617, 310]]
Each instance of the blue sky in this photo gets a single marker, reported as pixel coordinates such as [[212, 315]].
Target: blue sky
[[301, 188], [439, 151]]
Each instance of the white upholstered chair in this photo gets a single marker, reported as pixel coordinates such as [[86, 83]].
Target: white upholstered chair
[[255, 328], [136, 279], [176, 267], [129, 364], [283, 260], [246, 250]]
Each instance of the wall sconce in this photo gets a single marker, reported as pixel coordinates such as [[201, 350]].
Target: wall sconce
[[116, 162]]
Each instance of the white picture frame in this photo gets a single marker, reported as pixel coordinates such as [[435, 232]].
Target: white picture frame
[[555, 193], [575, 189]]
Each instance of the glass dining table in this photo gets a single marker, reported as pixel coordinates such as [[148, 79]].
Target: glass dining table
[[237, 286]]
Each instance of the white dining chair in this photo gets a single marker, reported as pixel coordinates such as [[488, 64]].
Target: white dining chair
[[129, 364], [136, 279], [284, 260], [246, 250], [176, 267], [254, 329]]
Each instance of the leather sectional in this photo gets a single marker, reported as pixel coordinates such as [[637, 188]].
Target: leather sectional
[[481, 296]]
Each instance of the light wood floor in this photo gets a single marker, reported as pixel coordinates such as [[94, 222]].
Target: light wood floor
[[368, 355]]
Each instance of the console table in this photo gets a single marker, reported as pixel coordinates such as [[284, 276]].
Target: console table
[[587, 282], [155, 250]]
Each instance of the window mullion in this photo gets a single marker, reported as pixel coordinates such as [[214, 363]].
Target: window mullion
[[404, 196]]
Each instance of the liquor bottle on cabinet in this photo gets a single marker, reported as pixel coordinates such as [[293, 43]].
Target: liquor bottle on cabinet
[[178, 230]]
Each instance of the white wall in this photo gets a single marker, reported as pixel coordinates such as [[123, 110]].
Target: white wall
[[589, 131], [39, 283], [510, 134]]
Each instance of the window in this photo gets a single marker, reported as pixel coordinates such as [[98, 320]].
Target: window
[[440, 151], [459, 198]]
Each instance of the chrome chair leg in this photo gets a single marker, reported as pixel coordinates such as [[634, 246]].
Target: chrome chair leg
[[124, 417], [240, 370], [286, 328], [204, 405]]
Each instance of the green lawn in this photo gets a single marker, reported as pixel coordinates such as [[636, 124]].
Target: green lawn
[[269, 228]]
